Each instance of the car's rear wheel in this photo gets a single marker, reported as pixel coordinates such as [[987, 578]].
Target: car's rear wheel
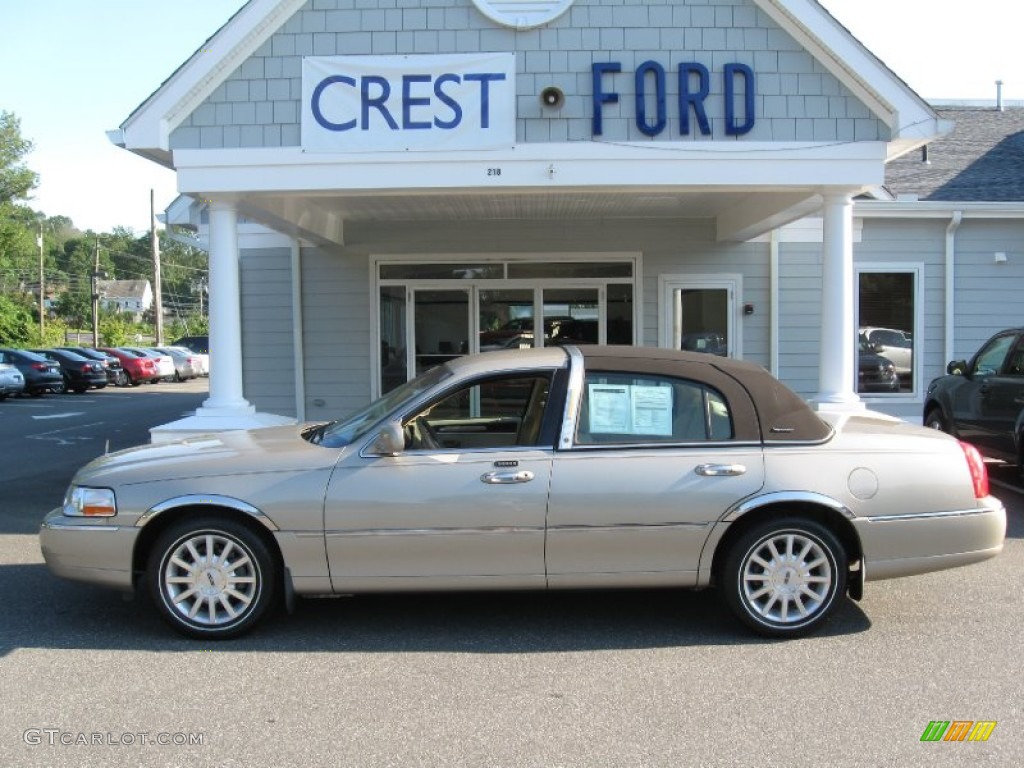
[[784, 577], [935, 420], [212, 579]]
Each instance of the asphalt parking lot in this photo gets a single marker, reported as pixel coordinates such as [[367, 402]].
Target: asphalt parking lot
[[654, 678]]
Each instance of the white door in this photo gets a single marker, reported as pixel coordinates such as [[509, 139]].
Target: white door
[[699, 314]]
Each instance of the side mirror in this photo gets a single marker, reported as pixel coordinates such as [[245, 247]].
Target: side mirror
[[956, 368], [390, 441]]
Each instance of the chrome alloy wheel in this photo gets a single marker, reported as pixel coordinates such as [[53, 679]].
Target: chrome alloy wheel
[[787, 577], [210, 579]]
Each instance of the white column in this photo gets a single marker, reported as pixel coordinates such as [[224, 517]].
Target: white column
[[838, 356], [226, 409], [226, 393]]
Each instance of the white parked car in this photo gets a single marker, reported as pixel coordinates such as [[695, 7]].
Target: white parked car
[[892, 344], [187, 364]]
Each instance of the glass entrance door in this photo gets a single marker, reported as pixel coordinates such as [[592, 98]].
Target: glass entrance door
[[431, 312], [572, 316], [699, 314], [440, 321], [506, 318]]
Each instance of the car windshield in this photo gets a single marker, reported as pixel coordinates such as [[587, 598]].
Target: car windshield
[[337, 434]]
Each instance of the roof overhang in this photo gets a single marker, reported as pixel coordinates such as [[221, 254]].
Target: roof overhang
[[755, 186]]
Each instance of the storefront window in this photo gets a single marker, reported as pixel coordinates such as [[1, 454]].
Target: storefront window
[[620, 314], [886, 327], [495, 271], [568, 269], [393, 367], [431, 312]]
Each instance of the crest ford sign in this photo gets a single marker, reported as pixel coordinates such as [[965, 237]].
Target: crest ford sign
[[400, 103]]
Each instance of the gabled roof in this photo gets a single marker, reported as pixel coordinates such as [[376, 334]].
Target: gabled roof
[[981, 160], [147, 130], [124, 289]]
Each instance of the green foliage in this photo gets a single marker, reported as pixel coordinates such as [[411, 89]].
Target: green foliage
[[70, 257], [115, 331], [15, 322], [16, 180]]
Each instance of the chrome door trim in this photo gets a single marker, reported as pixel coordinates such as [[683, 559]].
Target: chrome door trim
[[930, 515], [431, 531], [620, 527], [572, 396]]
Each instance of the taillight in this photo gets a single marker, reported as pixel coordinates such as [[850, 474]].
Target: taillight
[[40, 366], [979, 472]]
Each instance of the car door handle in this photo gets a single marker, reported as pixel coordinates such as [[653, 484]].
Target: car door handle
[[507, 478], [720, 470]]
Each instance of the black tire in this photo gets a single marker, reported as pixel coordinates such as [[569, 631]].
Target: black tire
[[231, 598], [132, 381], [761, 583], [935, 419], [79, 390]]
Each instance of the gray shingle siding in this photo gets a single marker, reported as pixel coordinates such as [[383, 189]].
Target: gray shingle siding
[[268, 366], [818, 107]]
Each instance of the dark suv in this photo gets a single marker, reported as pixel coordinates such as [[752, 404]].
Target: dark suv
[[982, 401], [200, 344]]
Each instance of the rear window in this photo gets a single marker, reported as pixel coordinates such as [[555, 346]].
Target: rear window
[[623, 408]]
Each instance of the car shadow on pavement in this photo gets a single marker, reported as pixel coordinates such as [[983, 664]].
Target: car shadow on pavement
[[42, 611]]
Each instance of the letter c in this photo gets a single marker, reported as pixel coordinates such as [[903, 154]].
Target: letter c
[[314, 103]]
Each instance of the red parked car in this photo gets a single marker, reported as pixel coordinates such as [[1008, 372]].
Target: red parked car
[[138, 368]]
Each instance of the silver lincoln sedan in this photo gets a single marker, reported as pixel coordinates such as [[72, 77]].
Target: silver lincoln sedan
[[557, 468]]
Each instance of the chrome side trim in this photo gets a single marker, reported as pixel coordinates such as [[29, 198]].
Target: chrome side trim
[[777, 497], [56, 526], [932, 515], [197, 500], [572, 396], [626, 527], [360, 532]]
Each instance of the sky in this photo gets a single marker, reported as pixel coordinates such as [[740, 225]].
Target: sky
[[71, 70]]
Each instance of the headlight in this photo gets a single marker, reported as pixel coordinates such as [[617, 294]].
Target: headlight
[[89, 502]]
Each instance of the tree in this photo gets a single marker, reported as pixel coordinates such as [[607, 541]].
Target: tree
[[16, 180], [15, 322]]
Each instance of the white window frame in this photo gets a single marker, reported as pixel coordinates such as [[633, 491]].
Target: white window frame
[[731, 282], [917, 342]]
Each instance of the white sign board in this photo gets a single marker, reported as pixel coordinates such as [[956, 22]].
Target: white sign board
[[401, 103], [630, 409]]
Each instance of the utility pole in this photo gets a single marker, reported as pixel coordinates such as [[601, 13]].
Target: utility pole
[[157, 292], [96, 297], [42, 285]]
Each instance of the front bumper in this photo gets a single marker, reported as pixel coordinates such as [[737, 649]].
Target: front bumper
[[90, 550], [907, 545]]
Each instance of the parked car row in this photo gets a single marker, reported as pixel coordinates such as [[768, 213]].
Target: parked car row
[[77, 369]]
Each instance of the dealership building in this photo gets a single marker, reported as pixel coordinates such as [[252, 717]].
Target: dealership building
[[385, 184]]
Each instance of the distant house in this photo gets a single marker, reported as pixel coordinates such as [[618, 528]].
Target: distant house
[[129, 296]]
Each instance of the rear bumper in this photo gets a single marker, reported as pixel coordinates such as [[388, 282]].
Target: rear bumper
[[906, 545]]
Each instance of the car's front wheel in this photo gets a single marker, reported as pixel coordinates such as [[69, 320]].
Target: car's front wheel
[[935, 420], [784, 577], [212, 579]]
